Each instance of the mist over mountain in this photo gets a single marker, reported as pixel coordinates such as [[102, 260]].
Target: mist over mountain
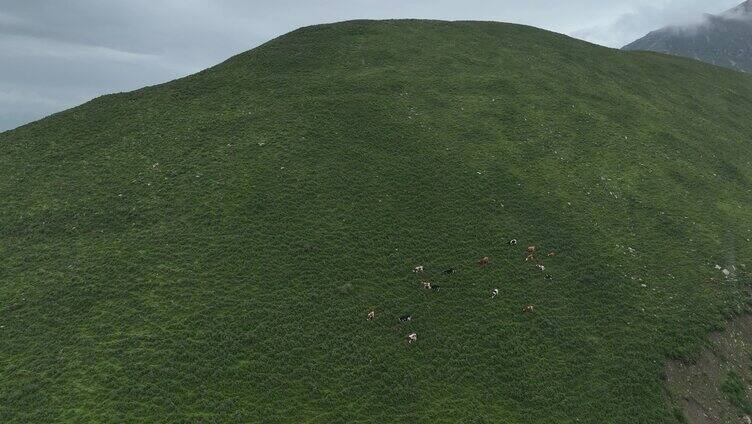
[[723, 40]]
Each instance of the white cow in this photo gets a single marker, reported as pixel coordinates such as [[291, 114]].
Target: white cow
[[412, 337]]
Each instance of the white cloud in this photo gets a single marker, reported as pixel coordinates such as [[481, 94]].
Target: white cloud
[[650, 16]]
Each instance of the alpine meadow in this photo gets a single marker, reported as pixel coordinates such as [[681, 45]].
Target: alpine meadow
[[209, 249]]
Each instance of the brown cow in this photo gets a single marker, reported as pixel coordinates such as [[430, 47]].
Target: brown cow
[[427, 285], [484, 261], [529, 309], [371, 315]]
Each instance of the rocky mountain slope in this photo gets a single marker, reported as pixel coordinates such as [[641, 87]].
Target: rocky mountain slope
[[723, 40]]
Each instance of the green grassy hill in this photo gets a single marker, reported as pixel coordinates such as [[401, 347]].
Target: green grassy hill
[[207, 250]]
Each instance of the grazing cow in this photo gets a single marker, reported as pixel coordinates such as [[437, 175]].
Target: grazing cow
[[484, 261], [435, 287], [541, 267], [418, 268], [551, 254], [371, 315], [412, 337], [529, 309], [530, 258], [548, 276], [513, 242], [427, 285], [405, 318], [494, 293], [450, 271], [531, 249]]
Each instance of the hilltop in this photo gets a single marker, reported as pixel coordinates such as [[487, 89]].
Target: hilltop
[[723, 40], [208, 249]]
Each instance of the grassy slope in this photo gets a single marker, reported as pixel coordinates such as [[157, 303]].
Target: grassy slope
[[207, 249]]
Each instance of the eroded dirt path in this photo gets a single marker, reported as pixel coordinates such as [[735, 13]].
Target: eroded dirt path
[[717, 386]]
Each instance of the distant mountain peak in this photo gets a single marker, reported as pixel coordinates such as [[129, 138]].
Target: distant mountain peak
[[743, 10], [724, 39]]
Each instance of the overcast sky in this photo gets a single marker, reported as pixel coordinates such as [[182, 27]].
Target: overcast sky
[[55, 54]]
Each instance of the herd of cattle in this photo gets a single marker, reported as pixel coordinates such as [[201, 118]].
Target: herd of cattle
[[530, 256]]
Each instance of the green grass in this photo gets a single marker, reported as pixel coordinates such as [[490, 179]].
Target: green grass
[[734, 387], [207, 250]]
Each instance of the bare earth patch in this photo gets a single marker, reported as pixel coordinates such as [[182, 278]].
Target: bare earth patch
[[717, 386]]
